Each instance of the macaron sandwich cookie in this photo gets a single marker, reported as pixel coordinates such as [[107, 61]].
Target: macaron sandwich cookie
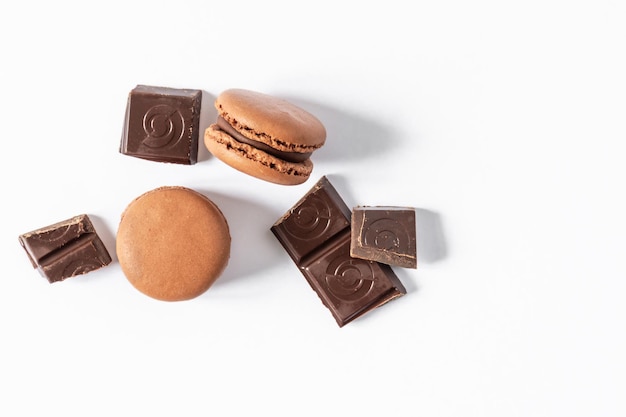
[[264, 136]]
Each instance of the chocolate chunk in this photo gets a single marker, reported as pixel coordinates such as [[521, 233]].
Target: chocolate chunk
[[315, 232], [384, 234], [162, 124], [65, 249]]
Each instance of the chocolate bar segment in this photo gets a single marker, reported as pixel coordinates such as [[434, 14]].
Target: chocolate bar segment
[[384, 234], [162, 124], [315, 232], [348, 286], [65, 249], [319, 216]]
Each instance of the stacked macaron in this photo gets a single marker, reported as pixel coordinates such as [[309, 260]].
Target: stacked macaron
[[264, 136]]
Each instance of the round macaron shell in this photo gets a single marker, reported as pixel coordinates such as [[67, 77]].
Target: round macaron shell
[[254, 162], [172, 243], [271, 120]]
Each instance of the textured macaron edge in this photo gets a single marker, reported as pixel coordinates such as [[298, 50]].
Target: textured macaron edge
[[271, 120], [255, 162]]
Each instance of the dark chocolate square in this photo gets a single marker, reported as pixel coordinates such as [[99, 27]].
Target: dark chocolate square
[[162, 124], [350, 287], [313, 220], [384, 234], [65, 249], [315, 233]]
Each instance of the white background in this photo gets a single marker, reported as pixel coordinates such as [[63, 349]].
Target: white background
[[503, 123]]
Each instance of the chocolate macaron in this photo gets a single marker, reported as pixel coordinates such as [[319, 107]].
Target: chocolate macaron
[[264, 136], [172, 243]]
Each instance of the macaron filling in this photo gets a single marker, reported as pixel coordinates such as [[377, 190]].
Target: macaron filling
[[286, 156]]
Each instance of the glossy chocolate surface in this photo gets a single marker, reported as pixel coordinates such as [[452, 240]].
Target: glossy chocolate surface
[[315, 232], [162, 124], [65, 249], [384, 234]]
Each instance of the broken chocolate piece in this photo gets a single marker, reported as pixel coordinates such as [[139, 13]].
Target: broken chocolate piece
[[65, 249], [315, 232], [162, 124], [384, 234]]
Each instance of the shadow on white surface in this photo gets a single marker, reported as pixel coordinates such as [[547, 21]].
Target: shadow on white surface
[[208, 115], [252, 243], [431, 242], [341, 185], [349, 137], [106, 235], [407, 278]]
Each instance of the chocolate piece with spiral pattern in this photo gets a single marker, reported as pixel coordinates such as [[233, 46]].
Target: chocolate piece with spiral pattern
[[384, 234], [315, 233], [65, 249], [162, 124]]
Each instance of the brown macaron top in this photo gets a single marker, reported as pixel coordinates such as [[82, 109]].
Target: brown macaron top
[[271, 120], [264, 136], [172, 243]]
